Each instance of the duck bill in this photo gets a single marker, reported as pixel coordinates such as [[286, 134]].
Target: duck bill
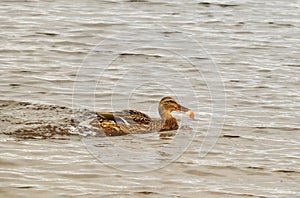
[[187, 111]]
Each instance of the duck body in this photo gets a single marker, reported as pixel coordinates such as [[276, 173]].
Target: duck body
[[134, 122]]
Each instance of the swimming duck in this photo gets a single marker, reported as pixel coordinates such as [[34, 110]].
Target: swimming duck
[[133, 122]]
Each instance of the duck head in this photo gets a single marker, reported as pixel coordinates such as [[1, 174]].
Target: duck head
[[169, 104]]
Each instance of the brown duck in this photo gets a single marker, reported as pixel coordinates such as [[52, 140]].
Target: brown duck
[[133, 122]]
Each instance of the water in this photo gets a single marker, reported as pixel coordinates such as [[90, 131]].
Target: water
[[111, 55]]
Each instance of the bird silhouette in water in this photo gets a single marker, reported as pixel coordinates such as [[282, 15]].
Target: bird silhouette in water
[[135, 122]]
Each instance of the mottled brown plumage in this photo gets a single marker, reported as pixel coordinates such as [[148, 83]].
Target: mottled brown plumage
[[133, 122]]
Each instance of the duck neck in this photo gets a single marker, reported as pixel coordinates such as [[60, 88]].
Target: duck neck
[[168, 121], [164, 114]]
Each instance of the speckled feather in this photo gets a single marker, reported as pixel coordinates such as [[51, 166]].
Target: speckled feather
[[129, 116]]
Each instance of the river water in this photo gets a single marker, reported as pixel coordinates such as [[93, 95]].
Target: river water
[[234, 63]]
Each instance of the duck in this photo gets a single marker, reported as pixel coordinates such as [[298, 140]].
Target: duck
[[135, 122]]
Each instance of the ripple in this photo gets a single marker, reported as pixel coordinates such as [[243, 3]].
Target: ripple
[[254, 44]]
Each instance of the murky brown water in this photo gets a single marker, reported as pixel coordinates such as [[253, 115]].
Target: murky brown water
[[109, 55]]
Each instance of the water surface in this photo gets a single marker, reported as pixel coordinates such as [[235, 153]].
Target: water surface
[[44, 52]]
